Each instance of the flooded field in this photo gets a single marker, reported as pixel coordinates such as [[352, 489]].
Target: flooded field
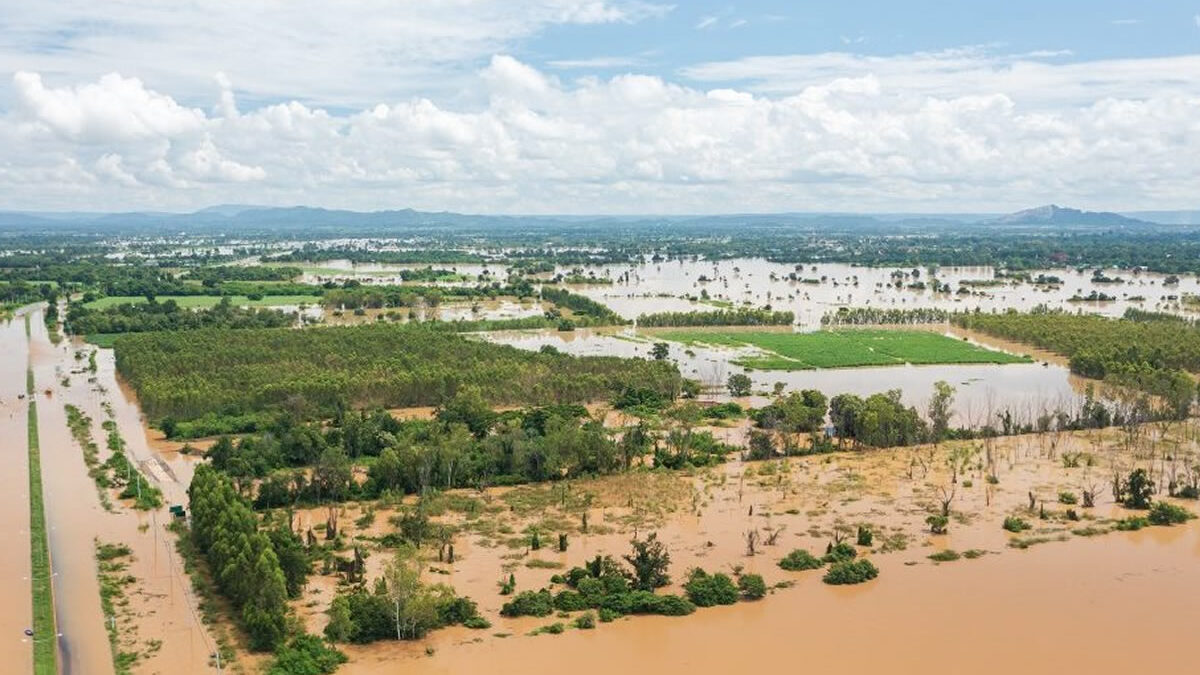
[[982, 390], [811, 291], [1010, 604]]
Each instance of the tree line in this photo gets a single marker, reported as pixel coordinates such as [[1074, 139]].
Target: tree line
[[723, 317], [1154, 356]]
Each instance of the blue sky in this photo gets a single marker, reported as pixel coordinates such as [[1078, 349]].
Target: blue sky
[[600, 106], [704, 31]]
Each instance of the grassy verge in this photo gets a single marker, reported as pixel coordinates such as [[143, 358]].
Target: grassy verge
[[844, 348], [45, 643]]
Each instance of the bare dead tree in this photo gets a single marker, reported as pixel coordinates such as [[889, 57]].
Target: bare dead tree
[[751, 537]]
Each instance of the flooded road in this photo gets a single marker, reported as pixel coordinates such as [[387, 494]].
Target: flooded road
[[16, 650], [158, 619]]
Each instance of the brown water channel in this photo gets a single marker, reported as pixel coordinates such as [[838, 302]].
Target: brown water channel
[[16, 650]]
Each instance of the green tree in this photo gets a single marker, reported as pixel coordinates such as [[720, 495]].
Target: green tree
[[648, 563], [739, 384]]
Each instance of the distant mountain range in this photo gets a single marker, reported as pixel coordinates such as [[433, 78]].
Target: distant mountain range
[[249, 219], [1053, 214]]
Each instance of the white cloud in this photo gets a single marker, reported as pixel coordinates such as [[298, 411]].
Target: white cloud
[[951, 131], [706, 22], [1125, 22], [351, 53], [1196, 20], [1033, 78]]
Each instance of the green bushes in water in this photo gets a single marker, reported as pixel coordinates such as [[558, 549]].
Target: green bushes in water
[[947, 555], [850, 572], [531, 603], [752, 586], [306, 655], [799, 560], [706, 590], [1165, 513], [1015, 524], [363, 616], [839, 552]]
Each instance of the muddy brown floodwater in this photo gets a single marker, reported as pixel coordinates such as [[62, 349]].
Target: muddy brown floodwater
[[1067, 594], [16, 649]]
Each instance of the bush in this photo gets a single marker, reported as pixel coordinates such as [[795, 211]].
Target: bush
[[1188, 492], [585, 621], [948, 555], [1132, 524], [529, 603], [306, 655], [839, 552], [799, 560], [606, 615], [478, 623], [752, 586], [1163, 513], [865, 536], [1015, 524], [706, 590], [937, 524], [850, 572], [1067, 498], [570, 601]]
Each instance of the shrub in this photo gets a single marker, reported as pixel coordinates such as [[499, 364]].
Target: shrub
[[570, 601], [948, 555], [1015, 524], [937, 524], [850, 572], [1138, 489], [585, 621], [478, 623], [706, 590], [1163, 513], [1067, 497], [839, 552], [799, 560], [1188, 492], [529, 603], [865, 536], [306, 655], [1132, 524], [752, 586], [607, 615]]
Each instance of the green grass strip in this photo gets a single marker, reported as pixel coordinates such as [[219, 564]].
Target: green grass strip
[[45, 631]]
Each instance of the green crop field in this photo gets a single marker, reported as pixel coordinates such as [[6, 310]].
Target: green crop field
[[843, 348], [205, 301]]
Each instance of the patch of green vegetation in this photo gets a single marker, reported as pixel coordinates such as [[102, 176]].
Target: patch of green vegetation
[[207, 301], [1015, 524], [850, 572], [947, 555], [112, 560], [45, 645], [799, 560], [844, 348]]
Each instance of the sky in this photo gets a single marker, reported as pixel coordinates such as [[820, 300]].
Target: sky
[[600, 106]]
